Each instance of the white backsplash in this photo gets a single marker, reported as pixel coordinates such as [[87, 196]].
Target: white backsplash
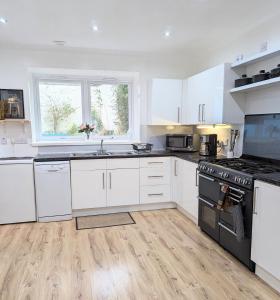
[[18, 137]]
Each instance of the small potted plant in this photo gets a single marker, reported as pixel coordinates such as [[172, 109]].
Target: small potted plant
[[87, 129]]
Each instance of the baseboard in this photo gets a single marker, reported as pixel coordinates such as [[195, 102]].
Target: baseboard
[[187, 214], [55, 218], [268, 278], [117, 209]]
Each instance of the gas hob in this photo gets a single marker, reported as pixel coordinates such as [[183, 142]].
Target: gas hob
[[237, 170]]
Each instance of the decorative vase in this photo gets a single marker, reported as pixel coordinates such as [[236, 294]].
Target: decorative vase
[[87, 135]]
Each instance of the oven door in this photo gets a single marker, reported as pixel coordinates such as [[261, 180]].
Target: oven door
[[240, 249], [208, 217]]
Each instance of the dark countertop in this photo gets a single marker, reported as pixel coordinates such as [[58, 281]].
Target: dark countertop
[[16, 158], [273, 178], [192, 157]]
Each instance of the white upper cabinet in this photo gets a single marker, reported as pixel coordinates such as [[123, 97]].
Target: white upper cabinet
[[166, 101], [207, 100]]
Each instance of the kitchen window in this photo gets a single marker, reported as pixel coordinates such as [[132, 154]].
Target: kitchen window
[[63, 103]]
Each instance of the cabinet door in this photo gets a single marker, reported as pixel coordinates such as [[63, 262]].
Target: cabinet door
[[266, 224], [190, 189], [203, 97], [212, 89], [88, 188], [177, 180], [166, 100], [17, 200], [122, 187], [192, 99]]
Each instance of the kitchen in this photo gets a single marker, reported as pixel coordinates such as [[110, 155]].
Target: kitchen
[[139, 162]]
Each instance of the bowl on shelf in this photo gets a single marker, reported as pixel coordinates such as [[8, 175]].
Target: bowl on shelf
[[244, 80], [275, 72], [263, 75]]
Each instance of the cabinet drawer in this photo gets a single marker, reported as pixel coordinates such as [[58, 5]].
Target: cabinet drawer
[[155, 194], [155, 162], [88, 164], [154, 176], [123, 163]]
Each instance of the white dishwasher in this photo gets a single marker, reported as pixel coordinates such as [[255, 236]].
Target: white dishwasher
[[53, 191]]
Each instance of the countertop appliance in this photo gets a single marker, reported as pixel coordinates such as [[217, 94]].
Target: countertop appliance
[[182, 142], [17, 200], [142, 147], [53, 191], [208, 144], [260, 157]]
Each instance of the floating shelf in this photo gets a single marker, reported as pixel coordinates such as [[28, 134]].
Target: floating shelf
[[255, 58], [256, 86]]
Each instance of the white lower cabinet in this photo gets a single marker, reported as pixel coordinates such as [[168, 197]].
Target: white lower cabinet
[[155, 194], [88, 188], [266, 224], [95, 186], [184, 186], [122, 187], [155, 182]]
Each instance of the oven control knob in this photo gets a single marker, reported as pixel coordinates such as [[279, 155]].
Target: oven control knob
[[239, 180], [212, 171], [245, 181], [226, 175]]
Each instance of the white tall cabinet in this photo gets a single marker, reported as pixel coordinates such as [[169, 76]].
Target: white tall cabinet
[[206, 98], [165, 101], [265, 234], [184, 186], [17, 200]]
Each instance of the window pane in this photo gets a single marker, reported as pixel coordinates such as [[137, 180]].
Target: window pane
[[61, 111], [109, 109]]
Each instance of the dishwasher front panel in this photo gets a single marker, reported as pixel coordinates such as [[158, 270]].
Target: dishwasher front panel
[[53, 191]]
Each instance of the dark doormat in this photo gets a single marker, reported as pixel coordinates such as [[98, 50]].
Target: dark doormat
[[100, 221]]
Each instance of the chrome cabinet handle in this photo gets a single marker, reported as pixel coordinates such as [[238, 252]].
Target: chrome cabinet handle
[[110, 180], [159, 194], [254, 200], [203, 113], [155, 176], [103, 180], [196, 177], [155, 162], [199, 112], [178, 114], [227, 229], [206, 177], [175, 168], [206, 202]]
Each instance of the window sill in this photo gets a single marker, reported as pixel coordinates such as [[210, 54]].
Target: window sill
[[82, 143]]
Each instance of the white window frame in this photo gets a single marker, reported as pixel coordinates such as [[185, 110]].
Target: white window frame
[[86, 79]]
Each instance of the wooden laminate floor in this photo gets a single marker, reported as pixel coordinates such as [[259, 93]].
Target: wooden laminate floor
[[163, 256]]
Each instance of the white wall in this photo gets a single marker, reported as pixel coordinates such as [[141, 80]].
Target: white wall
[[15, 63]]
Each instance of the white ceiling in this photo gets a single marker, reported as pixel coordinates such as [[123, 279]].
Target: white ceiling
[[131, 25]]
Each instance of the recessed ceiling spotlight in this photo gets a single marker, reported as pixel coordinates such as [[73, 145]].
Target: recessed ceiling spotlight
[[167, 33], [59, 43], [3, 20], [95, 28]]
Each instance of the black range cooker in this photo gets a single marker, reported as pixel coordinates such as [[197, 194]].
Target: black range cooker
[[261, 137]]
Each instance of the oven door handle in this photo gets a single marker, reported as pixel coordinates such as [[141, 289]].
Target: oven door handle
[[206, 202], [206, 177], [227, 229]]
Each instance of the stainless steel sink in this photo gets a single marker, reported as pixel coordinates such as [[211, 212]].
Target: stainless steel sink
[[103, 153]]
